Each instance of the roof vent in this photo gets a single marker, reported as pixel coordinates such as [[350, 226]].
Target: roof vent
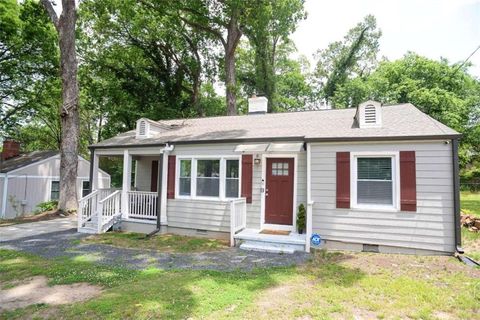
[[143, 128], [257, 105], [369, 114]]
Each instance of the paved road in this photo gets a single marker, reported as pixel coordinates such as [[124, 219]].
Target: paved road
[[19, 231]]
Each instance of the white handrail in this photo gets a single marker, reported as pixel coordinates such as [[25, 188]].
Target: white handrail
[[108, 208], [86, 207], [238, 217]]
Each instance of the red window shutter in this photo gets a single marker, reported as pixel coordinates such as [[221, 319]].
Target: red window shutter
[[247, 179], [343, 180], [408, 181], [171, 177]]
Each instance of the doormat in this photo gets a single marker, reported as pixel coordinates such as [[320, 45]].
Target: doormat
[[275, 232]]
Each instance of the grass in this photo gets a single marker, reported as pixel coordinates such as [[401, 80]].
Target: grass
[[164, 242], [330, 286], [470, 203]]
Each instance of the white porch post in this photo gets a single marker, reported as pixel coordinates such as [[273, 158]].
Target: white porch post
[[163, 200], [308, 225], [126, 182], [95, 172], [4, 196]]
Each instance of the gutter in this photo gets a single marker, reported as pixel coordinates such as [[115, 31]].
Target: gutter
[[282, 139], [456, 197], [160, 187]]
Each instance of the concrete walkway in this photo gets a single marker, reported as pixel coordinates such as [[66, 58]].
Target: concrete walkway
[[24, 230]]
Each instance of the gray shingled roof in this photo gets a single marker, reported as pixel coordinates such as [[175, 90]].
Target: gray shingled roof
[[24, 160], [401, 121]]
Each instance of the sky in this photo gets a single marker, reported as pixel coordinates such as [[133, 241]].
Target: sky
[[432, 28]]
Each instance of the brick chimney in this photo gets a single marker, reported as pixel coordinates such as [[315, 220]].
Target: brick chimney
[[11, 148]]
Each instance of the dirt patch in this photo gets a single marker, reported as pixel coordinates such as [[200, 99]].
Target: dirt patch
[[37, 291], [47, 215]]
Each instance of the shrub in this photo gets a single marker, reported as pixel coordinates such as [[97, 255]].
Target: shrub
[[47, 206], [301, 218]]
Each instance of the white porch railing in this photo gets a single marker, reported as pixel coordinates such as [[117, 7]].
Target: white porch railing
[[108, 209], [87, 207], [238, 217], [142, 205], [105, 192]]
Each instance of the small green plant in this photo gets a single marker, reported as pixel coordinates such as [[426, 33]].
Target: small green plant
[[301, 218], [47, 206]]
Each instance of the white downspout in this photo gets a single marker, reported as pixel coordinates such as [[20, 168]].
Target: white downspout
[[308, 226], [163, 203], [4, 195]]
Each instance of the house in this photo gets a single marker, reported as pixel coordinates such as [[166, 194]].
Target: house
[[373, 178], [27, 179]]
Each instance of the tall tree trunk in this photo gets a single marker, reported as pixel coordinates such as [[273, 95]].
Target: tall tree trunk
[[233, 38], [69, 115]]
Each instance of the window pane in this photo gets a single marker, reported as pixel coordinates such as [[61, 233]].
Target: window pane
[[85, 188], [208, 187], [185, 168], [208, 178], [231, 188], [374, 168], [184, 181], [374, 192], [184, 186], [55, 190], [232, 169]]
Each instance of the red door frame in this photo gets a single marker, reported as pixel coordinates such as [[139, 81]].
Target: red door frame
[[279, 207]]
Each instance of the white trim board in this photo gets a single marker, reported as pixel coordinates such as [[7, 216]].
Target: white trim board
[[264, 225]]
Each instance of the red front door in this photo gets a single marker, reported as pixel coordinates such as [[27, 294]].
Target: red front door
[[279, 191]]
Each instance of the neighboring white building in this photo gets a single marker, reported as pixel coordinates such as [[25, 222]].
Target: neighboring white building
[[373, 178], [31, 178]]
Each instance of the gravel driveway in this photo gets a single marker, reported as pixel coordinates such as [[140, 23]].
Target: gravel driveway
[[66, 244]]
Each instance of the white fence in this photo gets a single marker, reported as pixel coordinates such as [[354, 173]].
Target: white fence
[[238, 217], [142, 205]]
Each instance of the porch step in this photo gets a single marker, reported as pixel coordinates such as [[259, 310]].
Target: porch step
[[87, 230], [251, 239], [267, 247]]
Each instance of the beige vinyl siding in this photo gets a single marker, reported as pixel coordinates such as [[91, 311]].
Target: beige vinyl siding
[[430, 228], [211, 215]]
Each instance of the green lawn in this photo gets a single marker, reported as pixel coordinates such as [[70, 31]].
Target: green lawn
[[332, 285], [470, 203], [164, 242]]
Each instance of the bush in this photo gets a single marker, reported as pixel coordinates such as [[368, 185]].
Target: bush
[[301, 218], [47, 206]]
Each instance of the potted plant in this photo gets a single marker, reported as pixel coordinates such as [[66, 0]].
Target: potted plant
[[301, 218]]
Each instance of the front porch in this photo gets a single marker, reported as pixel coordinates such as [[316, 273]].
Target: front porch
[[148, 200]]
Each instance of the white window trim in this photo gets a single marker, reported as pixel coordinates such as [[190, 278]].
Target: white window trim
[[50, 190], [81, 187], [395, 181], [193, 177]]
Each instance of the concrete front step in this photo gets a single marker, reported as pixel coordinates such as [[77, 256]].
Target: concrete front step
[[251, 239], [268, 247], [87, 230]]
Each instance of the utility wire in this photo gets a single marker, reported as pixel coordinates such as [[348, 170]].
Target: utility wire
[[466, 60]]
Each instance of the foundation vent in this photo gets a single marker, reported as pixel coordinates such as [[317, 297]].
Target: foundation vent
[[370, 248]]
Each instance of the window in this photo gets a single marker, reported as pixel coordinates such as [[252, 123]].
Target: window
[[85, 188], [185, 177], [232, 179], [208, 178], [374, 183], [280, 169], [55, 190], [213, 178]]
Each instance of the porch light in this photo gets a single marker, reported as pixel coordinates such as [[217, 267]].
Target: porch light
[[257, 159]]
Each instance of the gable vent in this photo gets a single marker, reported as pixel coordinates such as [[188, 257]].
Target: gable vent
[[142, 130], [369, 114]]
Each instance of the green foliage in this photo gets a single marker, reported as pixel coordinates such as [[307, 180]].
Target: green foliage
[[301, 214], [355, 56], [47, 206], [442, 90]]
